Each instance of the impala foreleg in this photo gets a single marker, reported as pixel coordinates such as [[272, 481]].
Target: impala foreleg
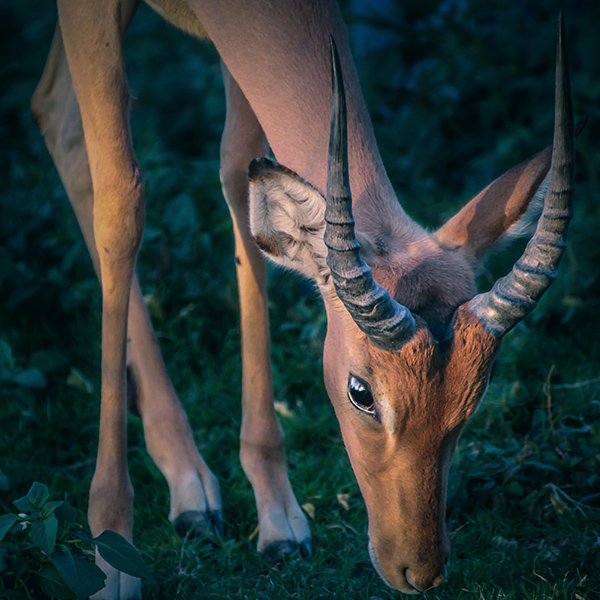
[[194, 490], [282, 524], [92, 41]]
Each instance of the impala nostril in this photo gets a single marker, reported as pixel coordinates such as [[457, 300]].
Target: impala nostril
[[424, 586], [417, 580], [439, 579], [409, 579]]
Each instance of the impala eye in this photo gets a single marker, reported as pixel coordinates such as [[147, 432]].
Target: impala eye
[[360, 395]]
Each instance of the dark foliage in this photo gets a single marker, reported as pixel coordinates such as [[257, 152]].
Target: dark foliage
[[459, 91]]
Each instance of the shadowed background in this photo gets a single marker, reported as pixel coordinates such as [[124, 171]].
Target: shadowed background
[[459, 91]]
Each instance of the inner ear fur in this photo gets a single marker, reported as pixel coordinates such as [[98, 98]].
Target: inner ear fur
[[287, 219], [497, 208]]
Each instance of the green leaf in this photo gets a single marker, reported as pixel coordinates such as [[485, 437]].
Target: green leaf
[[6, 522], [119, 553], [24, 504], [50, 507], [30, 378], [47, 361], [7, 360], [80, 574], [11, 559], [54, 585], [83, 536], [77, 381], [514, 487], [38, 494], [65, 514], [43, 534]]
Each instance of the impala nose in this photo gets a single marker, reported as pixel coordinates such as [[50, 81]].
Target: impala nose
[[420, 577], [422, 584]]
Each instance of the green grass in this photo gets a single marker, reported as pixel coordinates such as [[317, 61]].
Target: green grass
[[460, 96]]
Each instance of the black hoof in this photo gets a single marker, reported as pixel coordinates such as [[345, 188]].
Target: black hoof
[[306, 549], [196, 524], [216, 520], [283, 550]]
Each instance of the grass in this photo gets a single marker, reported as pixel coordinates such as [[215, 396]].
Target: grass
[[459, 94]]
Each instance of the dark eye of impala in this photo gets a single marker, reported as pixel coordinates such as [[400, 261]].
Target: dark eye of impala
[[360, 395]]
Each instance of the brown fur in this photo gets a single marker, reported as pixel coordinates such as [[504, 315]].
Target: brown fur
[[425, 393], [496, 208], [277, 82]]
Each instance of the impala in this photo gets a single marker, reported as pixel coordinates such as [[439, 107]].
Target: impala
[[409, 344]]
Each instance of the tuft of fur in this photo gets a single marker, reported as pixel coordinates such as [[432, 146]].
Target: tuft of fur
[[287, 219]]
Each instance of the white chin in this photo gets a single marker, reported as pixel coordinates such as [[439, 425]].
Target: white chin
[[375, 563], [377, 567]]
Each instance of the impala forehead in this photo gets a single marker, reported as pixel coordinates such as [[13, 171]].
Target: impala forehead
[[426, 386], [430, 280], [429, 386], [405, 385]]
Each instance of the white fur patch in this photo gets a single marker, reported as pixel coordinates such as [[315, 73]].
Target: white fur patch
[[526, 224], [287, 219]]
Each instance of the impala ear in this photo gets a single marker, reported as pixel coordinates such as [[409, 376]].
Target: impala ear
[[287, 219], [503, 208]]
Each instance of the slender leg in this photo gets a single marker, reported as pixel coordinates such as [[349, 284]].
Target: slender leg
[[283, 528], [92, 40], [193, 488]]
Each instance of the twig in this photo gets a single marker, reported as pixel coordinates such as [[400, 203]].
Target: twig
[[80, 464], [558, 492], [548, 391], [91, 461], [578, 384]]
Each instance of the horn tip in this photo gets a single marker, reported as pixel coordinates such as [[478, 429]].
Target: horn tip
[[561, 28], [335, 57], [332, 45]]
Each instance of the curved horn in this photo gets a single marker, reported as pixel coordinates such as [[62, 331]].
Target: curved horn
[[516, 294], [388, 324]]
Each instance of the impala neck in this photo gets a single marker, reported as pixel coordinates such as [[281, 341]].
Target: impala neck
[[279, 55]]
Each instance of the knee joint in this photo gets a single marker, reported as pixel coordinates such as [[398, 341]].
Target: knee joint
[[119, 213]]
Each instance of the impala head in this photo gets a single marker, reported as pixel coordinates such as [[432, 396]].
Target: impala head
[[409, 345]]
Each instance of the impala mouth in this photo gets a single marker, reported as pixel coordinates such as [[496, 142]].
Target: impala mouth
[[408, 589]]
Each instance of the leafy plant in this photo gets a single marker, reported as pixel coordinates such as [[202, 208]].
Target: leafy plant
[[44, 553]]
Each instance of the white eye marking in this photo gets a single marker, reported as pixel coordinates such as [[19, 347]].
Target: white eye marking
[[360, 396]]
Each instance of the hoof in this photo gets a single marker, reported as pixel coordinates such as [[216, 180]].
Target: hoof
[[306, 549], [216, 520], [196, 524], [283, 550]]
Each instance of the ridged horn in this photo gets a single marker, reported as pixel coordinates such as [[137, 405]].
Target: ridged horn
[[515, 295], [388, 324]]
